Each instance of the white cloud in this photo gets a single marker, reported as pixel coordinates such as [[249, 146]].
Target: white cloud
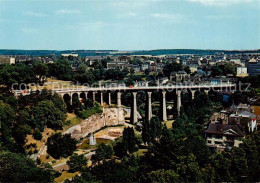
[[131, 14], [35, 14], [65, 11], [220, 17], [132, 4], [221, 2], [126, 15], [176, 18]]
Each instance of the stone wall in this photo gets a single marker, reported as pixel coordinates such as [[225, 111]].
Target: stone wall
[[109, 117]]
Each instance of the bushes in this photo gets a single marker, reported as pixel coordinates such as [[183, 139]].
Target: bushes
[[87, 113], [103, 152], [59, 145], [19, 168], [77, 162], [37, 135]]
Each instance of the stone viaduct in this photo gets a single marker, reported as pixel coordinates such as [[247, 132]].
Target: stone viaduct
[[177, 89]]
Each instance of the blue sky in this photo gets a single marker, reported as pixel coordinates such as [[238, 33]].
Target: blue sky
[[129, 24]]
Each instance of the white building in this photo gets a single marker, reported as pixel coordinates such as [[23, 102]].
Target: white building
[[242, 72], [7, 60]]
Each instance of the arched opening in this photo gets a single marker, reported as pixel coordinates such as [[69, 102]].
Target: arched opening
[[75, 97], [213, 96], [197, 93], [82, 96], [171, 101]]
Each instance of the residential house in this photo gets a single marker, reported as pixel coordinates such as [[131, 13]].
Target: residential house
[[226, 129], [7, 60], [179, 76], [242, 72]]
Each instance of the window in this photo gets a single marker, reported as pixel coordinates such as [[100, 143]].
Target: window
[[218, 143]]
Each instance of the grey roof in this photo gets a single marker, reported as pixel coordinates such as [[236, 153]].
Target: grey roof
[[246, 113], [220, 129]]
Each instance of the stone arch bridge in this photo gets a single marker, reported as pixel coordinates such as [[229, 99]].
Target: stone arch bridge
[[173, 89]]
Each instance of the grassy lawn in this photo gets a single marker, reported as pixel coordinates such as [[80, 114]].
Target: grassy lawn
[[74, 120], [44, 158], [59, 161], [85, 144], [65, 175], [56, 84], [138, 73], [168, 124], [140, 152]]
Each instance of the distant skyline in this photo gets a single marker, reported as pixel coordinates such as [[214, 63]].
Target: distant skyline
[[129, 24]]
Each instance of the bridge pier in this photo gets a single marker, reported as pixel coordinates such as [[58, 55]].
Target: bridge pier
[[86, 94], [70, 98], [178, 101], [119, 99], [109, 98], [94, 96], [206, 91], [134, 109], [193, 94], [148, 106], [163, 115], [101, 99]]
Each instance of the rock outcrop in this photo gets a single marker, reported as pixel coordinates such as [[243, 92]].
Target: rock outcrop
[[109, 117]]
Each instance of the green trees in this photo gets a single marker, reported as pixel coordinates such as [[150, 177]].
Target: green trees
[[113, 171], [187, 69], [151, 131], [221, 70], [37, 135], [19, 168], [44, 109], [251, 146], [45, 113], [146, 134], [128, 144], [76, 104], [7, 119], [59, 145], [103, 152], [61, 70], [77, 162], [84, 75], [41, 71], [129, 140], [16, 74], [171, 67], [162, 175]]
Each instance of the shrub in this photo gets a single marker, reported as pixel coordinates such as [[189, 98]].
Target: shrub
[[59, 145], [77, 162], [37, 135], [87, 113]]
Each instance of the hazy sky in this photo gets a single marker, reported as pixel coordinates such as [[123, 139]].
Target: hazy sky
[[129, 24]]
